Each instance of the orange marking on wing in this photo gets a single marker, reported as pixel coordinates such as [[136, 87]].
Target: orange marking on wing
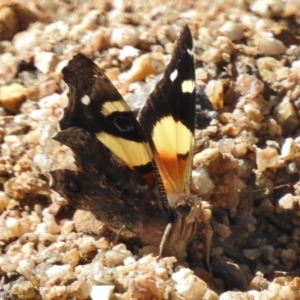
[[149, 178], [172, 170]]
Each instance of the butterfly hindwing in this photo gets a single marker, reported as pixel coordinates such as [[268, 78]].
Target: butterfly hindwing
[[109, 189], [168, 118]]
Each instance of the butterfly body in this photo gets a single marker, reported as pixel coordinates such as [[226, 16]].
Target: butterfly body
[[133, 174]]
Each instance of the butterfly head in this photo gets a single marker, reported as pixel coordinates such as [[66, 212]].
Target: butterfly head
[[185, 205]]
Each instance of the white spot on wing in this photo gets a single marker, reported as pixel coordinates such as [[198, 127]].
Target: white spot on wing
[[188, 86], [190, 52], [173, 75], [86, 100]]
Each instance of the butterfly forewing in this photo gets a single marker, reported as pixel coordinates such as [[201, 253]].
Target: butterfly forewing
[[168, 118], [96, 106]]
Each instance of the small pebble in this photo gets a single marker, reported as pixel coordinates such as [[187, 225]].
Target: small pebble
[[252, 254], [12, 96], [124, 36], [232, 31], [201, 181], [267, 158], [102, 292], [142, 67], [45, 62], [270, 46], [289, 149], [287, 202], [188, 285]]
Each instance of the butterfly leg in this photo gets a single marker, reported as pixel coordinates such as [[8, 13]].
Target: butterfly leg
[[208, 233], [164, 239], [119, 234]]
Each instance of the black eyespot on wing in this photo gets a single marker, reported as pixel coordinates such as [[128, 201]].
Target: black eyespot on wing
[[121, 125], [95, 105]]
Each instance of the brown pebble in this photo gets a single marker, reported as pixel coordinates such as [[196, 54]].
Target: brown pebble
[[15, 17], [285, 35], [101, 39], [230, 273], [86, 222]]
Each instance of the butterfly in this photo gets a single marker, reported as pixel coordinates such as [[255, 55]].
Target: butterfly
[[133, 173]]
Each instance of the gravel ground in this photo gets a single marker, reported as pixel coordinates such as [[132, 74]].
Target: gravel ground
[[246, 164]]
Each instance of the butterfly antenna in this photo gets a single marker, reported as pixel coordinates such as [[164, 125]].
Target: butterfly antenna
[[266, 190]]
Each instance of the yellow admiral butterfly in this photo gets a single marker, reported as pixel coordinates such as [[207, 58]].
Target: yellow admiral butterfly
[[134, 174]]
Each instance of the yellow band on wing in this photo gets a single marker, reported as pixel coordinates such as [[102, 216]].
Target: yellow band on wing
[[112, 106], [171, 137], [131, 153], [173, 142]]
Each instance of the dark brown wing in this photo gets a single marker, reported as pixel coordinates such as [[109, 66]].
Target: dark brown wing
[[109, 189], [97, 107]]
